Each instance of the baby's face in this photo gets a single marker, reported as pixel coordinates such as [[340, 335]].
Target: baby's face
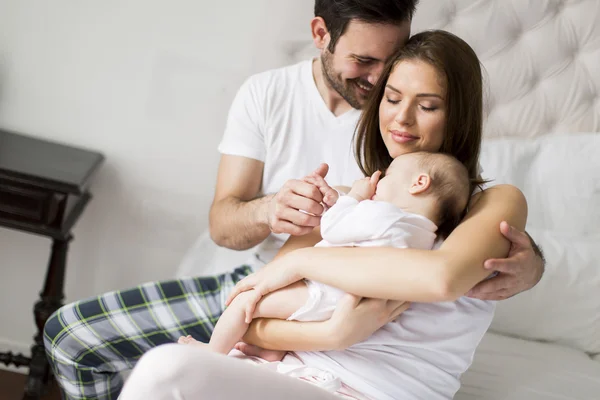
[[398, 178]]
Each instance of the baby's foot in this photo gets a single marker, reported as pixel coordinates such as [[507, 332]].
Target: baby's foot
[[186, 339], [255, 351], [191, 341]]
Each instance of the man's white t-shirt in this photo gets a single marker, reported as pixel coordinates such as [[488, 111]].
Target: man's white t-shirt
[[280, 118]]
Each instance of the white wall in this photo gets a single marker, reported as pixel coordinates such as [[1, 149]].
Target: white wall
[[148, 83]]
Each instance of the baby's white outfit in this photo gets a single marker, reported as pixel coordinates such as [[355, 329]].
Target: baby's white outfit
[[368, 223]]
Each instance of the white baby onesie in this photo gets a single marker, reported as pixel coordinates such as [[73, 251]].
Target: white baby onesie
[[368, 223]]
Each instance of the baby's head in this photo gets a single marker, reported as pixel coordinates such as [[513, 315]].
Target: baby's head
[[435, 185]]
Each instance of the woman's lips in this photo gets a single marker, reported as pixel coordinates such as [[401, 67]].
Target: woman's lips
[[403, 137]]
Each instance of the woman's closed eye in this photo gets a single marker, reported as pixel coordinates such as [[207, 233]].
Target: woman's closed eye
[[428, 109], [423, 107]]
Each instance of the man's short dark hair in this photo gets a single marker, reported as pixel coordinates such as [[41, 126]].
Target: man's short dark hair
[[338, 13]]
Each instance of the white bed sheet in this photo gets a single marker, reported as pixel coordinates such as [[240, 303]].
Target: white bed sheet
[[507, 368]]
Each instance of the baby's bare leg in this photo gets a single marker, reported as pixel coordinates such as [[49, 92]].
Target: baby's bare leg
[[232, 326]]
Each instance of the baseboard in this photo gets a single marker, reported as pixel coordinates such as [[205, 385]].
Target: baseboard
[[15, 348]]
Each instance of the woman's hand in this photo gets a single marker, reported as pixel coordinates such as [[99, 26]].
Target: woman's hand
[[356, 318], [275, 275]]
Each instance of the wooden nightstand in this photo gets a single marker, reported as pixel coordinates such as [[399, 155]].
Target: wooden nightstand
[[44, 188]]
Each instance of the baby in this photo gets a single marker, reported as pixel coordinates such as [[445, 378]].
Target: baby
[[419, 193]]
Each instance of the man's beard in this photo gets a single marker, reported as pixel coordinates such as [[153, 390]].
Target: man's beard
[[348, 88]]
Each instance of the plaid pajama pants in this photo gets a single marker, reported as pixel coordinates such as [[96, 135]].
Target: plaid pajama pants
[[90, 342]]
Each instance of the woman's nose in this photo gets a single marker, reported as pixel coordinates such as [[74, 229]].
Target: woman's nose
[[405, 115]]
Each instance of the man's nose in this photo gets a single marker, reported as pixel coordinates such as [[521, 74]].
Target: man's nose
[[374, 73]]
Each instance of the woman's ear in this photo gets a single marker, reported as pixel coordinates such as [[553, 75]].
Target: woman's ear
[[421, 183], [320, 33]]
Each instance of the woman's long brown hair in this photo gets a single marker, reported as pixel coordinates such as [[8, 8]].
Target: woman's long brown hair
[[459, 67]]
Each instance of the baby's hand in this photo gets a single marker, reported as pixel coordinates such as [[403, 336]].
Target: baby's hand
[[246, 298], [364, 189], [330, 195], [251, 297]]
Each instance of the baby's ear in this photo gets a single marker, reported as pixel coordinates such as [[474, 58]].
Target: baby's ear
[[420, 184]]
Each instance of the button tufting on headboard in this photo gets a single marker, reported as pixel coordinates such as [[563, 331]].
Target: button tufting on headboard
[[541, 59]]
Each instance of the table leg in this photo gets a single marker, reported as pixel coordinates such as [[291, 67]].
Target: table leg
[[51, 299]]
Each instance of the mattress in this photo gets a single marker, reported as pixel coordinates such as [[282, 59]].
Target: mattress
[[507, 368]]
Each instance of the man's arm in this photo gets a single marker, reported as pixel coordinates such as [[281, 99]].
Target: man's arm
[[240, 220], [538, 252]]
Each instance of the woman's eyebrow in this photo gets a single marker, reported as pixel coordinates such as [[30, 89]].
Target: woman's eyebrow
[[392, 88], [430, 95], [418, 95]]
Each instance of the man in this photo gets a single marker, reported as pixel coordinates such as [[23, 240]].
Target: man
[[281, 125]]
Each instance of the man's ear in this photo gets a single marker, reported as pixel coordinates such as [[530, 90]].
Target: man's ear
[[320, 33], [421, 183]]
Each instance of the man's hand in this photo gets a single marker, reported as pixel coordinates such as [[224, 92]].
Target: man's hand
[[520, 271], [364, 189], [284, 215]]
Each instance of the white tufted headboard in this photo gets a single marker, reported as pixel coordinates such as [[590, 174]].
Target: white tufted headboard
[[541, 57]]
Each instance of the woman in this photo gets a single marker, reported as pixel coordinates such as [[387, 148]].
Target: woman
[[429, 97]]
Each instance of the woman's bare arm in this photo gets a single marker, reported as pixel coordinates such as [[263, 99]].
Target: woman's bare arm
[[414, 275], [421, 275], [278, 334], [354, 320], [299, 242]]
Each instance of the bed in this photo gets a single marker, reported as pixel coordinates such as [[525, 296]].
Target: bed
[[542, 62]]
